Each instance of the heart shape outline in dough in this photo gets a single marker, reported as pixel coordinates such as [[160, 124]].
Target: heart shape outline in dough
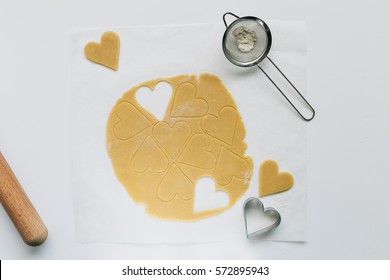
[[223, 126], [131, 121], [172, 138], [149, 156], [106, 52], [196, 154], [175, 183], [231, 165], [259, 220], [271, 180], [187, 104]]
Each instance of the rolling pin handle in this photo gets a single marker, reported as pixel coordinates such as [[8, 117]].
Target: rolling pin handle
[[19, 207]]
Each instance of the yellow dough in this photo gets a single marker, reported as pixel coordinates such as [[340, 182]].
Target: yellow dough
[[160, 161], [271, 180], [106, 52]]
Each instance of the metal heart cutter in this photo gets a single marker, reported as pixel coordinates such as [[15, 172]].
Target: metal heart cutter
[[247, 42], [259, 220]]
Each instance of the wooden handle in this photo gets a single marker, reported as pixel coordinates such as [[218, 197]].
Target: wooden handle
[[19, 207]]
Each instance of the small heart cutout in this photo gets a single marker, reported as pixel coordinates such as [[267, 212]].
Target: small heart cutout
[[155, 99], [207, 197], [271, 180], [106, 52], [259, 220]]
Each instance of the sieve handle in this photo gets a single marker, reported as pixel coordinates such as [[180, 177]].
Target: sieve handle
[[303, 99], [228, 13]]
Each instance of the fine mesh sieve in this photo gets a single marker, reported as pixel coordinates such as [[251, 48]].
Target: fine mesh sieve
[[246, 42], [261, 48]]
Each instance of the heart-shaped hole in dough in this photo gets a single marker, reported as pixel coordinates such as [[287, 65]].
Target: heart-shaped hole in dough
[[207, 197], [156, 99]]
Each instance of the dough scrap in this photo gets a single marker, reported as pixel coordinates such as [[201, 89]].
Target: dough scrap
[[271, 180], [201, 134], [106, 52]]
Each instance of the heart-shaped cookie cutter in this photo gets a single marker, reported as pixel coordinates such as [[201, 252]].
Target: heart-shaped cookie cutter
[[259, 220]]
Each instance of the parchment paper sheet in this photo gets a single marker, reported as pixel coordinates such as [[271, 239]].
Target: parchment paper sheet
[[103, 210]]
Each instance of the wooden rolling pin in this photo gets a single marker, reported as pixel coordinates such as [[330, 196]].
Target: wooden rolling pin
[[19, 207]]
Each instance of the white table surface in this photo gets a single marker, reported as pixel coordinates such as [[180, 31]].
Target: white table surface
[[348, 141]]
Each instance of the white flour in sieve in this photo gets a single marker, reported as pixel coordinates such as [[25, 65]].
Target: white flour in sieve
[[245, 38]]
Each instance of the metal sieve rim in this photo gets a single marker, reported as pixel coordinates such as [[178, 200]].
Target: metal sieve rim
[[264, 53]]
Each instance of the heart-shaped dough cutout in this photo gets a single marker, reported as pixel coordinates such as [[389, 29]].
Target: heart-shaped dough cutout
[[172, 138], [271, 180], [259, 220], [106, 52]]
